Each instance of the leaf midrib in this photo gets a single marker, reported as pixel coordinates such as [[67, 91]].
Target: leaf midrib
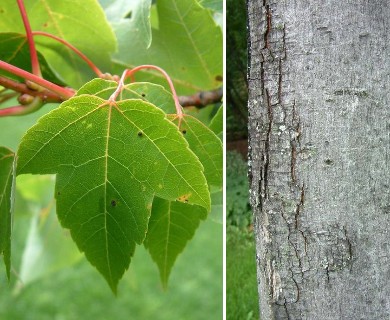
[[105, 187]]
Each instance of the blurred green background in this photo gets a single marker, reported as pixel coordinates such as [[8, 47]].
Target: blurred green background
[[52, 280], [241, 281], [236, 71]]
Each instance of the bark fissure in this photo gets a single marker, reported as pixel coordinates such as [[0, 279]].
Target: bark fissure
[[318, 157], [278, 125], [269, 25], [267, 142]]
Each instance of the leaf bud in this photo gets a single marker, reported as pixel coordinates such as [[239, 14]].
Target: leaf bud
[[25, 99], [33, 86]]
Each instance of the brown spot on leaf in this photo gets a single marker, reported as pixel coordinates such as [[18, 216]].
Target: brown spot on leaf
[[184, 198], [218, 78], [113, 203]]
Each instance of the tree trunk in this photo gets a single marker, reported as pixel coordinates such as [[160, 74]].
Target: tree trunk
[[319, 126]]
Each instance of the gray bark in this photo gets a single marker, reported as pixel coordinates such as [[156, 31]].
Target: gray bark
[[319, 153]]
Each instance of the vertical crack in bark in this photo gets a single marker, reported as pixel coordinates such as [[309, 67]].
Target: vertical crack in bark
[[280, 86], [349, 258], [272, 73], [277, 191], [287, 313], [293, 163], [327, 272], [262, 73], [267, 101], [260, 197], [267, 142], [271, 277], [299, 206], [284, 42], [295, 254], [269, 25], [296, 285], [294, 143], [261, 113]]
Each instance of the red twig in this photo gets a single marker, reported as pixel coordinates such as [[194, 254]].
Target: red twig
[[46, 95], [64, 93], [36, 70]]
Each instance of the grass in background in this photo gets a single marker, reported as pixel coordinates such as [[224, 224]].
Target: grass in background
[[238, 211], [241, 280]]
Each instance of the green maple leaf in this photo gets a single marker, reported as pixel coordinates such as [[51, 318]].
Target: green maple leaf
[[6, 182], [171, 226], [111, 161]]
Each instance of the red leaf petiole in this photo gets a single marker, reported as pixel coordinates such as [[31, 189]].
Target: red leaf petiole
[[74, 49], [32, 106], [33, 52], [130, 73]]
